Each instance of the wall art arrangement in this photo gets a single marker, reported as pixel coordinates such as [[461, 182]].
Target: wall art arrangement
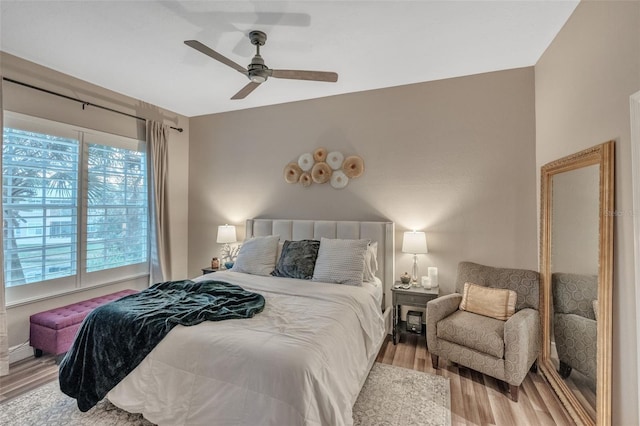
[[322, 167]]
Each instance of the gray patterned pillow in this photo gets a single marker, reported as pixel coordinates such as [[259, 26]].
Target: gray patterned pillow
[[298, 259], [340, 261]]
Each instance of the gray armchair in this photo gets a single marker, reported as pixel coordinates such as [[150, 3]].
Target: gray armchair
[[574, 322], [505, 350]]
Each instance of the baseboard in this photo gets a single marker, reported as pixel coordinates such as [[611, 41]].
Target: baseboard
[[20, 352]]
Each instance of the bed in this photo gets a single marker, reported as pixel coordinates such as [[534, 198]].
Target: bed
[[302, 361]]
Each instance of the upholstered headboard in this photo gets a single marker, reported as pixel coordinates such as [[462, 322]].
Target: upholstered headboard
[[382, 232]]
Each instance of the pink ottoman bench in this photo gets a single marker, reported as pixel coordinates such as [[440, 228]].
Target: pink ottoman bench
[[53, 331]]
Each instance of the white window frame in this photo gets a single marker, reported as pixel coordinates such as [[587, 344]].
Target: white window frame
[[26, 293]]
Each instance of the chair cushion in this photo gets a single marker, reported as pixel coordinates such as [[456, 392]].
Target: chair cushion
[[498, 303], [478, 332]]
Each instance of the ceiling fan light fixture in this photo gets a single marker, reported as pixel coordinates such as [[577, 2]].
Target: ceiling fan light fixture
[[258, 75]]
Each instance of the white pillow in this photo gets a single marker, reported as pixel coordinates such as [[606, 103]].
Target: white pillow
[[371, 263], [257, 256], [340, 261]]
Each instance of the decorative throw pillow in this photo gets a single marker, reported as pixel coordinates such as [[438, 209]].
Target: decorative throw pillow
[[257, 256], [298, 259], [496, 303], [371, 263], [340, 261]]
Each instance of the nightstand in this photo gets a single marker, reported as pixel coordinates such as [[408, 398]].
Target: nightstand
[[413, 296], [208, 270]]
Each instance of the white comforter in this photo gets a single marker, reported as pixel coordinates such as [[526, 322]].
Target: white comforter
[[302, 361]]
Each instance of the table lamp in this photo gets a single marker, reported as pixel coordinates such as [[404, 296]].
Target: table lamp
[[414, 242], [226, 236]]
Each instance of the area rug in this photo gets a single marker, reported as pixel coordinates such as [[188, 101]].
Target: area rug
[[391, 396], [395, 396]]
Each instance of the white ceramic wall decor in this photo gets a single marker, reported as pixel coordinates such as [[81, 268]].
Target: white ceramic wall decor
[[322, 167], [335, 159], [339, 180], [305, 161]]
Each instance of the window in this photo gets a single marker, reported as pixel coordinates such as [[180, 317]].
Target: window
[[117, 209], [75, 206]]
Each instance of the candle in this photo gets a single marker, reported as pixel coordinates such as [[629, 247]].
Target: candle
[[433, 275], [426, 282]]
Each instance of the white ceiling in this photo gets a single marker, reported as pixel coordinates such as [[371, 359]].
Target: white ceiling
[[136, 47]]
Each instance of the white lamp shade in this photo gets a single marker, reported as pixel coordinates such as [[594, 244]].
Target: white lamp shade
[[226, 234], [414, 242]]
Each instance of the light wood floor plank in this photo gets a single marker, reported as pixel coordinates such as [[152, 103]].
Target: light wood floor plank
[[471, 405], [557, 411], [457, 399], [482, 399], [543, 416], [26, 375]]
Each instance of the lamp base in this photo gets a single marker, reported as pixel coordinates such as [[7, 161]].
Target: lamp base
[[414, 271]]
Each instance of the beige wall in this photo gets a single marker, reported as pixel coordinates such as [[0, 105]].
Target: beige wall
[[582, 86], [28, 101], [454, 158]]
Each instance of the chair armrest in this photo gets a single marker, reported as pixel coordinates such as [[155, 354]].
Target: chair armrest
[[576, 342], [575, 328], [442, 307], [522, 344], [437, 309]]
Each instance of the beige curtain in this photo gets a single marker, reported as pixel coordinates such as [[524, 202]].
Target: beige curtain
[[157, 149], [4, 336]]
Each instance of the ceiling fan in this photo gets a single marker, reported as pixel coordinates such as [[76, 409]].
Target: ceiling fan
[[257, 71]]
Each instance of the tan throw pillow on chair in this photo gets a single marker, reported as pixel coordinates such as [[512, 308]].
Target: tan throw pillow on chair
[[496, 303]]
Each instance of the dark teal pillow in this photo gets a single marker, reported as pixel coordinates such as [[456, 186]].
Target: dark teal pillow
[[298, 259]]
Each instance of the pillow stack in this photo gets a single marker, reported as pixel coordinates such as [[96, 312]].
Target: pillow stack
[[339, 261]]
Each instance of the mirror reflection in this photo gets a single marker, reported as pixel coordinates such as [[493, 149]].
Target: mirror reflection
[[576, 271], [574, 280]]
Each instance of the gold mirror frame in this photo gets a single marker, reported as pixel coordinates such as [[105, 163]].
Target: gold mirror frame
[[602, 155]]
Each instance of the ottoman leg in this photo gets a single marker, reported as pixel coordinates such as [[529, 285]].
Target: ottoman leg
[[37, 352]]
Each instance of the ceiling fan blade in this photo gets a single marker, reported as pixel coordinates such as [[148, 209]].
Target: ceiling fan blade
[[246, 90], [215, 55], [331, 77]]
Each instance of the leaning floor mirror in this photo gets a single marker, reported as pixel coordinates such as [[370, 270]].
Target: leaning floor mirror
[[576, 269]]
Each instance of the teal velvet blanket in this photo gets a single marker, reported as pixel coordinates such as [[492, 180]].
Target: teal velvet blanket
[[115, 338]]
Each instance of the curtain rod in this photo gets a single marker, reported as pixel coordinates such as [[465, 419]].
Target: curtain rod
[[84, 103]]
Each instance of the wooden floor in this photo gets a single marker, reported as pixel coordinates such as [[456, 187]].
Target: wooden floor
[[476, 399], [26, 375]]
